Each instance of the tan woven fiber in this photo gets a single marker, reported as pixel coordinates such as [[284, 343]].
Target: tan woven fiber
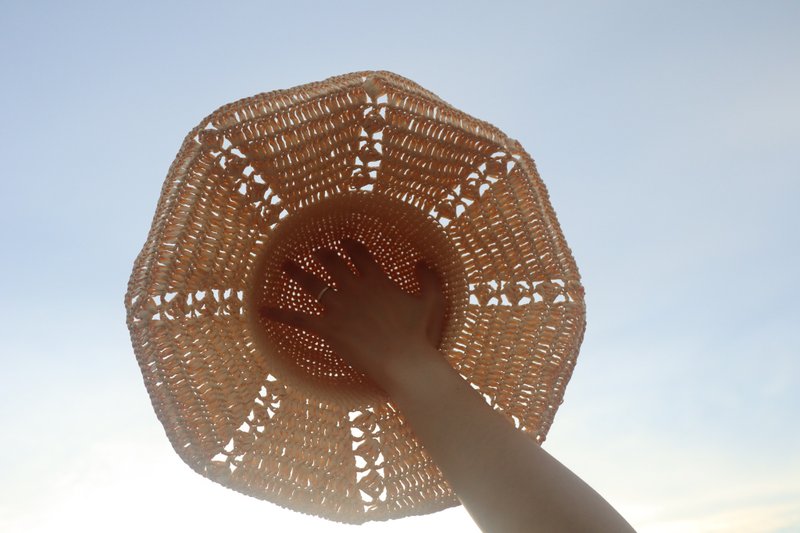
[[270, 410]]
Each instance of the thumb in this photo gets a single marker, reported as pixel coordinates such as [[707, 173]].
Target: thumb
[[433, 295], [428, 279]]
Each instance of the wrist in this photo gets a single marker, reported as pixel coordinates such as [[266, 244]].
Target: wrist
[[410, 371]]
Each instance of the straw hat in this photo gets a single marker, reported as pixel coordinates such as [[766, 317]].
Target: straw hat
[[270, 410]]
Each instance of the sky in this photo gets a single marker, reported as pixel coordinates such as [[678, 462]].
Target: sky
[[667, 134]]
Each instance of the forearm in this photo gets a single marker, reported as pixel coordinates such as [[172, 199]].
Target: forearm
[[505, 480]]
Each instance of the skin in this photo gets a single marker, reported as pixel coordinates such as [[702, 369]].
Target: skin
[[505, 480]]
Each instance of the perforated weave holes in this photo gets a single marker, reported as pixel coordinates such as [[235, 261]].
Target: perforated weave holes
[[272, 411]]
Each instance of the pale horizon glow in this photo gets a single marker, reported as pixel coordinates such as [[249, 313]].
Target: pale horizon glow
[[667, 135]]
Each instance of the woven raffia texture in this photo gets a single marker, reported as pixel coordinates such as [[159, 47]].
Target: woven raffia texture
[[270, 410]]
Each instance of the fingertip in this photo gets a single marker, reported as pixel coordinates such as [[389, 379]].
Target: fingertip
[[351, 245], [427, 275], [427, 269]]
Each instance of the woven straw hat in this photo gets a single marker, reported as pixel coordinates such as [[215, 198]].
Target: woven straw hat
[[270, 410]]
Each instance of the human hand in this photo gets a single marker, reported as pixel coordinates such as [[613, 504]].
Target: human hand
[[371, 322]]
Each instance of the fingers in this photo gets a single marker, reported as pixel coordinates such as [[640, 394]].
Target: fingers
[[311, 283], [335, 265], [362, 258]]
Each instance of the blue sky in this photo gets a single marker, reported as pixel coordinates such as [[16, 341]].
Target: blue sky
[[667, 135]]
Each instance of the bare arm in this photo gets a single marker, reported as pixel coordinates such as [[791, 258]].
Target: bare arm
[[506, 481]]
